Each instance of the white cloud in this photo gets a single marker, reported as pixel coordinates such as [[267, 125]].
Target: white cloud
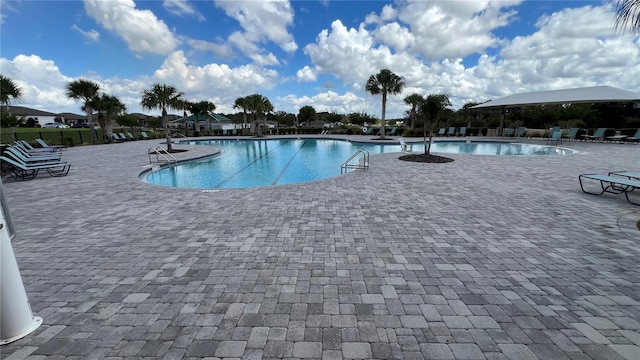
[[261, 21], [90, 36], [306, 74], [182, 8], [140, 29], [42, 84], [326, 101], [215, 82]]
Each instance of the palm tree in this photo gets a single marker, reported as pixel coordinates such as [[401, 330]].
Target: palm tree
[[107, 106], [385, 82], [242, 103], [430, 109], [85, 90], [260, 106], [162, 96], [200, 108], [414, 100], [628, 15], [9, 91]]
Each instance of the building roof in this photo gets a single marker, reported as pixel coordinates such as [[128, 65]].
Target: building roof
[[566, 96], [25, 111]]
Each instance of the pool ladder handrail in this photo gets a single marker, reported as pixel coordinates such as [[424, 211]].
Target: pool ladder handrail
[[162, 156], [363, 163]]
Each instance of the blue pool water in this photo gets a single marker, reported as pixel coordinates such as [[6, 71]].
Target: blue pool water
[[255, 163]]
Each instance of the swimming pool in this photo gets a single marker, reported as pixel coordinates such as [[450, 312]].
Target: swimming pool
[[256, 163]]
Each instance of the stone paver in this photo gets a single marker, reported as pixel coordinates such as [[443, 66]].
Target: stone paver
[[487, 257]]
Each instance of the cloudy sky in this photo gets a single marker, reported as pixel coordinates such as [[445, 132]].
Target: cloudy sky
[[313, 52]]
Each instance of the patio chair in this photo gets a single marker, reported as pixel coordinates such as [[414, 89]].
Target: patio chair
[[452, 131], [22, 145], [17, 154], [392, 132], [463, 131], [555, 138], [442, 131], [130, 136], [44, 145], [571, 134], [21, 171], [520, 131], [635, 138], [597, 135], [611, 184], [123, 137], [116, 137], [508, 132], [633, 175], [144, 135]]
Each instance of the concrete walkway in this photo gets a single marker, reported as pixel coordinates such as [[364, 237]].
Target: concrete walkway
[[487, 257]]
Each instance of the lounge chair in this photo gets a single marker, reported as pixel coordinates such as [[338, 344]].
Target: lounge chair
[[597, 135], [22, 145], [17, 154], [452, 131], [21, 171], [635, 138], [613, 184], [520, 131], [463, 131], [130, 136], [392, 132], [633, 175], [571, 134], [508, 132], [44, 145], [144, 135], [116, 137], [124, 137], [442, 132], [556, 138]]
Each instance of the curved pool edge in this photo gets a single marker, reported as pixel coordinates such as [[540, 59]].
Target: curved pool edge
[[154, 167]]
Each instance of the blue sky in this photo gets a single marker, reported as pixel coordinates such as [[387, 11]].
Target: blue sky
[[317, 53]]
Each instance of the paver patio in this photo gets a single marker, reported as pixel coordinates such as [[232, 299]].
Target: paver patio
[[487, 257]]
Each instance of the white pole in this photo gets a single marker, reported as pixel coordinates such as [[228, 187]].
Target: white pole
[[16, 318]]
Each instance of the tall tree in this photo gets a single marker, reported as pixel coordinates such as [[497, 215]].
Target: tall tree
[[9, 91], [162, 97], [414, 100], [307, 114], [628, 15], [200, 108], [107, 107], [242, 103], [85, 90], [385, 82], [431, 109]]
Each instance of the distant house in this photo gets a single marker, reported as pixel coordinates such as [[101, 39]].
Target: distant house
[[210, 121], [39, 116], [71, 118]]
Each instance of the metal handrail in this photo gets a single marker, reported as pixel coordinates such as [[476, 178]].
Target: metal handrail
[[161, 153], [363, 163]]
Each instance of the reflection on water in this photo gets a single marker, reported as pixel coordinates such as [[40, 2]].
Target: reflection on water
[[255, 163]]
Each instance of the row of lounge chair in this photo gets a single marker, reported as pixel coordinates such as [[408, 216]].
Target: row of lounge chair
[[127, 136], [452, 131], [616, 182], [22, 161]]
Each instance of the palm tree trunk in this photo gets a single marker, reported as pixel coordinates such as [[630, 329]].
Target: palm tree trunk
[[384, 108], [94, 135], [165, 124]]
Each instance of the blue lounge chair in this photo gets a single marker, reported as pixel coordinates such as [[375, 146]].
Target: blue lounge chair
[[144, 135], [520, 132], [392, 132], [508, 132], [635, 138], [44, 145], [571, 134], [613, 184], [555, 138], [597, 135], [452, 131], [463, 131], [116, 137], [21, 171], [18, 154], [442, 131]]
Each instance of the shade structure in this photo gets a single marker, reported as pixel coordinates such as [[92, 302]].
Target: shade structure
[[591, 94]]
